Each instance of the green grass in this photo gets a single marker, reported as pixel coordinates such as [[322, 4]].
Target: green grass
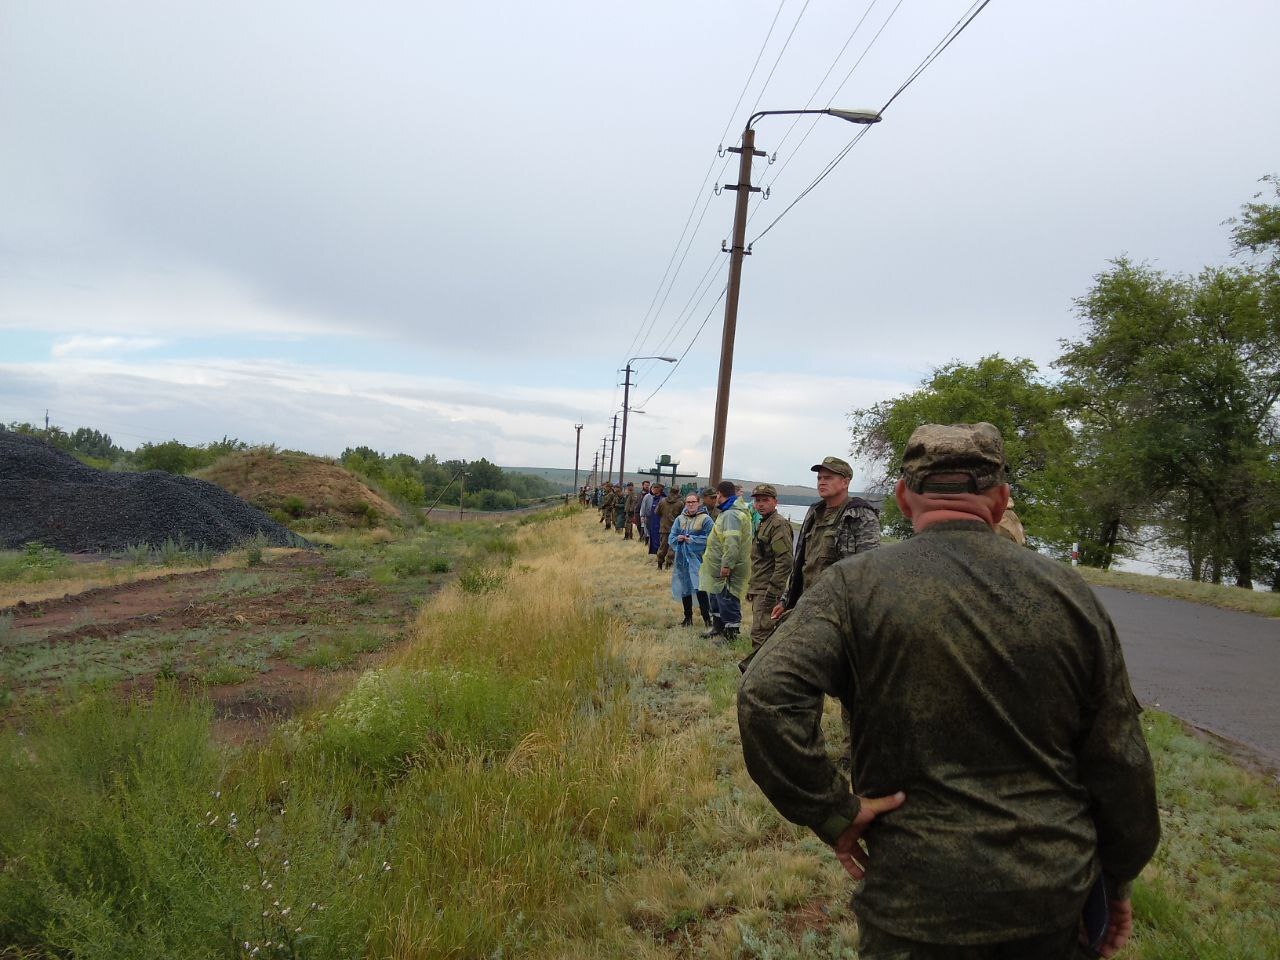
[[543, 770], [34, 563], [1214, 595], [1211, 890]]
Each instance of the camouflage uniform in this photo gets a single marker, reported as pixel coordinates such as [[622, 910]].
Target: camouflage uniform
[[671, 507], [607, 503], [996, 698], [630, 504], [828, 535], [771, 548]]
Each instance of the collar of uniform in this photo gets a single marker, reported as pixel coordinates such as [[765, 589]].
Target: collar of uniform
[[957, 526]]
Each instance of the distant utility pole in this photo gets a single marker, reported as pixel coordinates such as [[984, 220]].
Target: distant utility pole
[[577, 447], [612, 443], [626, 408], [736, 252], [46, 421], [604, 448], [462, 494], [592, 480]]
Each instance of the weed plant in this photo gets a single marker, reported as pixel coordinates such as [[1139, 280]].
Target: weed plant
[[34, 563]]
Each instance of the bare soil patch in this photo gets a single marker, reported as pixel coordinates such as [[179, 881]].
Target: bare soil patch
[[263, 641]]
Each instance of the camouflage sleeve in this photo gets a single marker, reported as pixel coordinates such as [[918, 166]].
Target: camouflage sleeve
[[1115, 767], [780, 712], [859, 532]]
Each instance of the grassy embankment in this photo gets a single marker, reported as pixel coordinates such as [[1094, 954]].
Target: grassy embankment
[[1266, 604], [546, 769]]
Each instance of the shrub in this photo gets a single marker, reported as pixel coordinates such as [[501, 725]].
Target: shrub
[[440, 565], [477, 580], [35, 562], [294, 506], [393, 715]]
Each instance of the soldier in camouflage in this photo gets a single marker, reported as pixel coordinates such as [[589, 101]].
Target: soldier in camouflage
[[997, 743], [607, 504], [668, 509], [630, 504], [771, 547], [837, 526]]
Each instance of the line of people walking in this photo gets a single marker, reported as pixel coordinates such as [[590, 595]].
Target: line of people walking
[[725, 549]]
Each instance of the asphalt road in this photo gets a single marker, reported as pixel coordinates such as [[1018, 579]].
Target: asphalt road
[[1217, 669]]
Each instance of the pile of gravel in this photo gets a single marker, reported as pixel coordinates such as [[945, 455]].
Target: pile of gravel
[[50, 497]]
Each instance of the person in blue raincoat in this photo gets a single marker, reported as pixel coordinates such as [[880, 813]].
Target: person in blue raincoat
[[687, 540]]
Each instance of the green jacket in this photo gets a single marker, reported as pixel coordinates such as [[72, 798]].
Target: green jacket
[[771, 548], [729, 545], [987, 683]]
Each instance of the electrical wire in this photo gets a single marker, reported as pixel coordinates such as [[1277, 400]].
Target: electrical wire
[[638, 339], [786, 43], [958, 28], [808, 103], [834, 93], [680, 359]]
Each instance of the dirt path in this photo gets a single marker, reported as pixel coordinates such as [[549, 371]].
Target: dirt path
[[1217, 669]]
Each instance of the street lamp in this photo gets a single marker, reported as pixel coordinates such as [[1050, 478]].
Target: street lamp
[[626, 396], [736, 252]]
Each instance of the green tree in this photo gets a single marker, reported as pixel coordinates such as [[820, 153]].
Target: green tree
[[172, 456], [1007, 393], [1190, 368], [1257, 228]]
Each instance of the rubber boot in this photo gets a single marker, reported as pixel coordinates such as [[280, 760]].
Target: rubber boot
[[717, 629], [688, 611], [730, 635]]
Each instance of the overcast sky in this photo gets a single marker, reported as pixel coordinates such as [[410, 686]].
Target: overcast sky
[[439, 227]]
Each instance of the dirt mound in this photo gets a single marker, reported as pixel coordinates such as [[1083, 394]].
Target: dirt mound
[[295, 486], [50, 497]]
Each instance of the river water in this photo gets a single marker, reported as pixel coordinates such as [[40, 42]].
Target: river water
[[1149, 558]]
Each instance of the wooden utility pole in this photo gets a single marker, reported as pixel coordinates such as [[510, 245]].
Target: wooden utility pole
[[626, 400], [462, 495], [613, 442], [577, 447], [736, 253]]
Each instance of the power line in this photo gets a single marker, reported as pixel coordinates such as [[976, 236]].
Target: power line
[[786, 43], [942, 45], [639, 337], [948, 38], [808, 103], [674, 366], [957, 28], [834, 93]]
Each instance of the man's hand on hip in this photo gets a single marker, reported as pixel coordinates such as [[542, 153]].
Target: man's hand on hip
[[1119, 926], [850, 853]]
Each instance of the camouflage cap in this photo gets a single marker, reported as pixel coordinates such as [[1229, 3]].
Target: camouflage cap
[[835, 465], [708, 492], [765, 490], [976, 449]]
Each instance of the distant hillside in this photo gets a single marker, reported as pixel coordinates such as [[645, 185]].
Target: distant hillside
[[300, 490]]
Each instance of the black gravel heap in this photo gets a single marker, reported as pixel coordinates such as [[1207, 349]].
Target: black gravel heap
[[50, 497]]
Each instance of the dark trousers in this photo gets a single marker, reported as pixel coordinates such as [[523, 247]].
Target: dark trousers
[[727, 608], [877, 944], [704, 606]]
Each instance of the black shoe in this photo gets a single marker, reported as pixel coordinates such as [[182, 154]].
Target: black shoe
[[715, 631], [730, 635], [687, 622]]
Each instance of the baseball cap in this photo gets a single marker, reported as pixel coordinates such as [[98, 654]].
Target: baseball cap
[[765, 490], [835, 465], [975, 449]]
